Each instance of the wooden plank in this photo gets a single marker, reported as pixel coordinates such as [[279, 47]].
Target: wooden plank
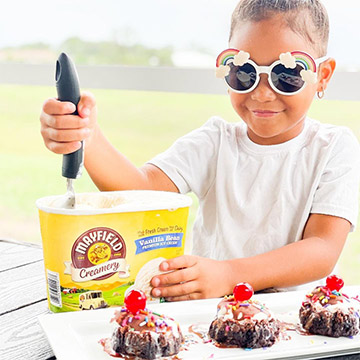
[[344, 357], [21, 336], [13, 254], [22, 286]]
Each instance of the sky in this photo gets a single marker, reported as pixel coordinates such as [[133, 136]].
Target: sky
[[183, 24]]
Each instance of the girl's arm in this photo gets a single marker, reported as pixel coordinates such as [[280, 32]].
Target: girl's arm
[[307, 260], [108, 168]]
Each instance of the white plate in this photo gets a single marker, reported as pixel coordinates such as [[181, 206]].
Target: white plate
[[76, 335]]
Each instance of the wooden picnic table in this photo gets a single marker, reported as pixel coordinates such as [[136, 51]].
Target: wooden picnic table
[[23, 299]]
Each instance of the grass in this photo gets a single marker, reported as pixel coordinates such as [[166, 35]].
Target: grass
[[139, 124]]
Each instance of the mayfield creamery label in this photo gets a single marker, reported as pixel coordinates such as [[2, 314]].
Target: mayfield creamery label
[[93, 256], [97, 254]]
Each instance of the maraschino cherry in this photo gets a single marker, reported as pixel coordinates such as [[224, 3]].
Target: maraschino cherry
[[334, 283], [243, 291], [135, 300]]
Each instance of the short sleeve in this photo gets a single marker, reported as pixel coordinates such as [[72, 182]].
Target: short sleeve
[[338, 190], [191, 161]]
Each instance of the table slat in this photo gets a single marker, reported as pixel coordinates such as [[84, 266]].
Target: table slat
[[15, 254], [21, 336], [22, 286]]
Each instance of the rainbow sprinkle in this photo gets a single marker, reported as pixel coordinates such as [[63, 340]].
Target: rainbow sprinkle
[[157, 314]]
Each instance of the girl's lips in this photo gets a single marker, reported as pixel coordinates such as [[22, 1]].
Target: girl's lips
[[265, 113]]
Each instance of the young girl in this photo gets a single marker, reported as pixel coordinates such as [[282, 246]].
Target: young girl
[[277, 191]]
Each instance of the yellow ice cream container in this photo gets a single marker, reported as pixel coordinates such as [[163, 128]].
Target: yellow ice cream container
[[93, 253]]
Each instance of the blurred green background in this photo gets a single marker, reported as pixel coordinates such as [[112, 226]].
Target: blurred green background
[[139, 124]]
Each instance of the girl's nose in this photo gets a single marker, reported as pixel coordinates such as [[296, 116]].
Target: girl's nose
[[263, 92]]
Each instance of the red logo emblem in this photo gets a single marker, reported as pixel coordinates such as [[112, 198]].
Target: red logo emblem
[[97, 252]]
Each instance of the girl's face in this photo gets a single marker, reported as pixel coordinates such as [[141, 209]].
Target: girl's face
[[273, 118]]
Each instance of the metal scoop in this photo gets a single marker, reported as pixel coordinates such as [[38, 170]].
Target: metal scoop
[[68, 89]]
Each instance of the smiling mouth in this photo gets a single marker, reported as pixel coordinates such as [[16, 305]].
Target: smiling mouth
[[265, 113]]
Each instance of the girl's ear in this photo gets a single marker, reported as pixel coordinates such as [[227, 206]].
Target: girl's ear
[[326, 71]]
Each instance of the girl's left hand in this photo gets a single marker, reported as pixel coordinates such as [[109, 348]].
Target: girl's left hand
[[192, 277]]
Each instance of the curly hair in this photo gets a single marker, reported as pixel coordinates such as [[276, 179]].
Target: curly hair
[[307, 18]]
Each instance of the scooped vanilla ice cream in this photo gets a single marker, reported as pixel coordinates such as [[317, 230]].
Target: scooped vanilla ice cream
[[94, 201], [145, 274], [100, 200], [111, 201]]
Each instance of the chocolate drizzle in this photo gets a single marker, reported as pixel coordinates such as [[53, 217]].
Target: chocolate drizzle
[[201, 330], [241, 310], [325, 297], [145, 320]]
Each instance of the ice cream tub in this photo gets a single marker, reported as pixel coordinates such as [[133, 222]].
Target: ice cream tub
[[109, 242]]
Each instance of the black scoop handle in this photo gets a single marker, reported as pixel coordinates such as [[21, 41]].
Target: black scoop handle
[[68, 89]]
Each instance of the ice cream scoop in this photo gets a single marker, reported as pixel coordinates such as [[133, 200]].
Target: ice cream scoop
[[68, 89], [145, 274]]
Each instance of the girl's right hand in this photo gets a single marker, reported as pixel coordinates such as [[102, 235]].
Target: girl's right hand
[[63, 132]]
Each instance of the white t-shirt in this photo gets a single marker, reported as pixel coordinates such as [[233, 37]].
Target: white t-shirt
[[256, 198]]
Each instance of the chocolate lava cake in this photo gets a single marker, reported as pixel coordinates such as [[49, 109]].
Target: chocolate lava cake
[[327, 311], [242, 322], [143, 333]]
